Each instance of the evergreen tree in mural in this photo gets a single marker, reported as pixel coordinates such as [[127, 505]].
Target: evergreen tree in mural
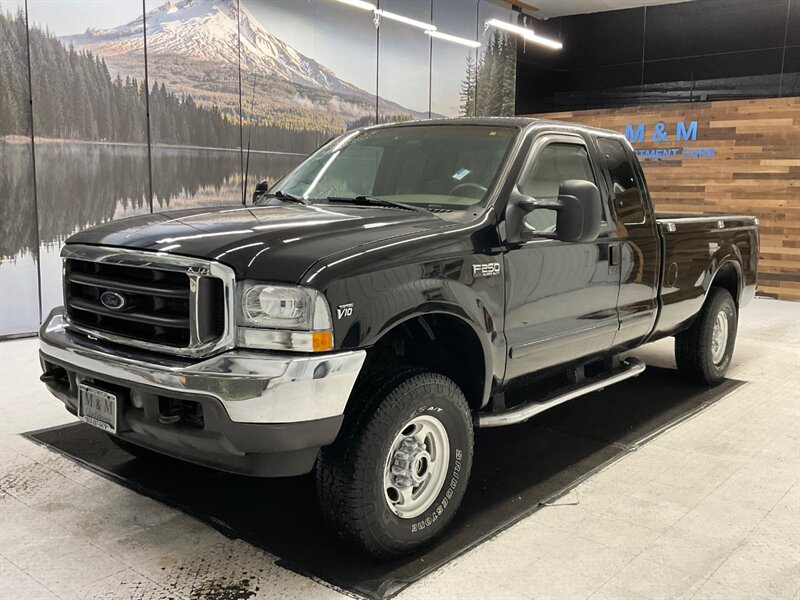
[[384, 118], [13, 75], [467, 92], [489, 88], [508, 77]]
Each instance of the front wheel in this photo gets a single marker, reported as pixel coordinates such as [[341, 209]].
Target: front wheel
[[396, 475], [703, 352]]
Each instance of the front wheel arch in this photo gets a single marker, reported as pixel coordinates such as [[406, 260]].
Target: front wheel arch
[[441, 342]]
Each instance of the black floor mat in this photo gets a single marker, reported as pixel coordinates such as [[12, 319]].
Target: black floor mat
[[516, 470]]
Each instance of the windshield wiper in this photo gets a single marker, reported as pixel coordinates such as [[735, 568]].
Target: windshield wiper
[[375, 201], [284, 196]]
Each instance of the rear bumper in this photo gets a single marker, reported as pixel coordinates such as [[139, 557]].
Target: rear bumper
[[263, 413]]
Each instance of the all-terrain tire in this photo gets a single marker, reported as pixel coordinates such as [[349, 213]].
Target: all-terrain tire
[[351, 473], [698, 354]]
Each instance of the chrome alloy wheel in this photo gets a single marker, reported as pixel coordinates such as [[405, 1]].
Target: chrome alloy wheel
[[416, 466], [719, 337]]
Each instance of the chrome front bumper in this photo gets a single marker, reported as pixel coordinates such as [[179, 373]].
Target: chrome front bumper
[[253, 387]]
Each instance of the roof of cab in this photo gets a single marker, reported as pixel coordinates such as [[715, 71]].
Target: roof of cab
[[518, 122]]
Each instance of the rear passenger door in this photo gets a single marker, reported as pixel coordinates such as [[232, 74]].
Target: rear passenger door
[[561, 297], [635, 245]]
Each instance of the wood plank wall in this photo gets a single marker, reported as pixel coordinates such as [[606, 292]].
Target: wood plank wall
[[755, 170]]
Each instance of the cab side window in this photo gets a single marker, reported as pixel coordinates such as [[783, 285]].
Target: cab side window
[[555, 163], [626, 194]]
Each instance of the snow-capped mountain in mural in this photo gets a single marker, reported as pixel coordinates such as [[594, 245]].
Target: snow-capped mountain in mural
[[193, 47]]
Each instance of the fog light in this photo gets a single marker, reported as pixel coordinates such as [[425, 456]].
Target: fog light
[[136, 399]]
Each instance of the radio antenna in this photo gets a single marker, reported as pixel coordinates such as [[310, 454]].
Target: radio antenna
[[249, 136]]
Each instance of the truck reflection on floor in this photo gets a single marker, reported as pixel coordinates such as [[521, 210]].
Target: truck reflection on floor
[[516, 469]]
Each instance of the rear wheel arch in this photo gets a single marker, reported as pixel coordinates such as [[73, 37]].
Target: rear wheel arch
[[728, 276]]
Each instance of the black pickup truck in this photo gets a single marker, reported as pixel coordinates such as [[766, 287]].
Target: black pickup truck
[[374, 306]]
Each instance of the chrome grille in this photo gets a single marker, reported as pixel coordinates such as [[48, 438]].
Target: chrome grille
[[151, 300]]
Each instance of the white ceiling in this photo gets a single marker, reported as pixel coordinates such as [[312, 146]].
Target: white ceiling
[[560, 8]]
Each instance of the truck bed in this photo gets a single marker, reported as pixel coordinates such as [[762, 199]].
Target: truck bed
[[697, 218], [694, 249]]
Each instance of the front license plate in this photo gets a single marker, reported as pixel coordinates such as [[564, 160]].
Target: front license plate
[[97, 407]]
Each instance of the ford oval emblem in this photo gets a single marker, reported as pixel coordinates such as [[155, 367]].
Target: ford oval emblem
[[112, 300]]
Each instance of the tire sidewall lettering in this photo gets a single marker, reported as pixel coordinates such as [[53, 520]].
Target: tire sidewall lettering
[[723, 366], [434, 512], [352, 477]]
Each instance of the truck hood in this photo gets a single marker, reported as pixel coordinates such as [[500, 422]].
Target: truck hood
[[272, 243]]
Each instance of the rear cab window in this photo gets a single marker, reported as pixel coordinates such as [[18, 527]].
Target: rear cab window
[[626, 193]]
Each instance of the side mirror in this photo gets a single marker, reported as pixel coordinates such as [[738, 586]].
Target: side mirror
[[261, 189], [578, 219], [581, 214]]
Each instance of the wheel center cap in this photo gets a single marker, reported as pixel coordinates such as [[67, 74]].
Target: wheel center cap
[[410, 463]]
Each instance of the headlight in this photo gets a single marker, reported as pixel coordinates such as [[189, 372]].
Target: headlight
[[279, 317]]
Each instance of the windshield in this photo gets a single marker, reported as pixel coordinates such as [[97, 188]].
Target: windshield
[[431, 166]]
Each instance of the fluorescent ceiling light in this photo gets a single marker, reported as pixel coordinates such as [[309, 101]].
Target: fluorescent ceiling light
[[454, 39], [526, 33], [359, 4], [406, 20]]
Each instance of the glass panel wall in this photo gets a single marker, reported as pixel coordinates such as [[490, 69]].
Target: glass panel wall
[[453, 66], [496, 78], [311, 88], [19, 246], [404, 56], [89, 121], [217, 76], [195, 101]]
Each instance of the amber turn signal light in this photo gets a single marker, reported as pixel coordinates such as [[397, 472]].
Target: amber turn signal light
[[321, 341]]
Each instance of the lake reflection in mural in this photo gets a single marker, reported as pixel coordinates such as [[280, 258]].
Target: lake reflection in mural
[[82, 185], [278, 76]]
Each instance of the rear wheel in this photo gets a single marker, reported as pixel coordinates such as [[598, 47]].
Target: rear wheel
[[396, 475], [703, 352]]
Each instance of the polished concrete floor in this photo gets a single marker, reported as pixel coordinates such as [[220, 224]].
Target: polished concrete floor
[[709, 509]]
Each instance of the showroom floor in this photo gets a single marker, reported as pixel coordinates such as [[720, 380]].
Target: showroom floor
[[710, 509]]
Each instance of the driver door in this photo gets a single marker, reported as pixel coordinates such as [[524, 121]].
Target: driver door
[[561, 297]]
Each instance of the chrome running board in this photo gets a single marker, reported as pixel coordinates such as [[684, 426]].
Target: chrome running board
[[630, 367]]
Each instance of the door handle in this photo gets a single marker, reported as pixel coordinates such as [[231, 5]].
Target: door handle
[[613, 255]]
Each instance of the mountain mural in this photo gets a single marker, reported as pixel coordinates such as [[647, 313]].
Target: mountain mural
[[109, 144], [194, 47]]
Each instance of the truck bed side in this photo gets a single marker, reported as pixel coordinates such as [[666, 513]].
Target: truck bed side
[[699, 250]]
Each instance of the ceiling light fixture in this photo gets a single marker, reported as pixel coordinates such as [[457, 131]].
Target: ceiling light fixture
[[360, 4], [526, 33], [455, 39], [401, 19], [428, 27]]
